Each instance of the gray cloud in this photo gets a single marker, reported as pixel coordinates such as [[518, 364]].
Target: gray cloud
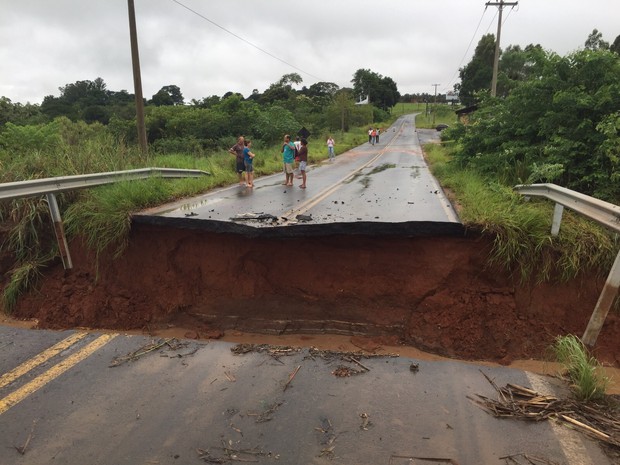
[[45, 45]]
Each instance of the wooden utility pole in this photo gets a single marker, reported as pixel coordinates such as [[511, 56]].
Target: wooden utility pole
[[435, 102], [137, 80], [500, 5]]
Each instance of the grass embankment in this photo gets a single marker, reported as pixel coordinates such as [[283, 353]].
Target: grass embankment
[[522, 229]]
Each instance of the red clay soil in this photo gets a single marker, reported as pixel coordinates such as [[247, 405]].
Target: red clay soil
[[437, 294]]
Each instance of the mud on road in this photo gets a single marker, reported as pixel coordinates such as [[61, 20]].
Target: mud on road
[[436, 293]]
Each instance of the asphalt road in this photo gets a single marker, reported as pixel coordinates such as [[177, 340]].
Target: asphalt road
[[185, 401], [384, 188], [79, 398]]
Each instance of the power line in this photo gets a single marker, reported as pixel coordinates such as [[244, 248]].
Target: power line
[[467, 51], [246, 41]]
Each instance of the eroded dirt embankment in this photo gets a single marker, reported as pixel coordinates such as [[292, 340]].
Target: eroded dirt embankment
[[435, 293]]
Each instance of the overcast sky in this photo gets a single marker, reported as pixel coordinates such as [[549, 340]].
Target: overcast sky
[[46, 44]]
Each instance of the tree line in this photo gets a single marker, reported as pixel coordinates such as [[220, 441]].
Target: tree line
[[213, 122]]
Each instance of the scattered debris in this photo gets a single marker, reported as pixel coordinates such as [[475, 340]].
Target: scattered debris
[[414, 367], [366, 423], [230, 454], [343, 371], [327, 439], [529, 460], [230, 376], [267, 414], [171, 343], [273, 351], [330, 355], [22, 449], [595, 420], [255, 217], [424, 459], [236, 429], [304, 218], [191, 214]]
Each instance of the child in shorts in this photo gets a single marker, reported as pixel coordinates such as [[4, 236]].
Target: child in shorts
[[248, 159]]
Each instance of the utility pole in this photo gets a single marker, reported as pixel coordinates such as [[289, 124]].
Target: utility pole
[[137, 80], [500, 5], [435, 102]]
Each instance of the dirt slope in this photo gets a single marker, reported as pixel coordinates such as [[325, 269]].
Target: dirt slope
[[434, 293]]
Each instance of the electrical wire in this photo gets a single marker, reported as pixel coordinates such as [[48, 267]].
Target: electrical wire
[[246, 41], [466, 51]]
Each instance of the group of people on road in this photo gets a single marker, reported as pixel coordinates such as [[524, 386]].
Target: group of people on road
[[292, 153], [373, 135], [244, 162]]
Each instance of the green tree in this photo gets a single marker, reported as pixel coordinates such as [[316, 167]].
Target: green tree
[[75, 98], [167, 95], [615, 47], [380, 91], [476, 76], [595, 41], [17, 113], [561, 121]]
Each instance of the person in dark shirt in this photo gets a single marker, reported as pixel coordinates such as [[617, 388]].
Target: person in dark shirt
[[237, 151], [303, 162]]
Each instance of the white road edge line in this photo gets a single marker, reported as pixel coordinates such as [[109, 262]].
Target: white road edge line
[[572, 444]]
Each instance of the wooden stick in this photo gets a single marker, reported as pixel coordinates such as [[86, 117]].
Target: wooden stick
[[355, 361], [291, 377], [586, 427]]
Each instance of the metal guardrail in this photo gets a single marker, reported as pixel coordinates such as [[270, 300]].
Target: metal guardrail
[[52, 186], [34, 187], [604, 213]]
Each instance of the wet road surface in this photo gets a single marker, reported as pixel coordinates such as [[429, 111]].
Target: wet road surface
[[187, 401], [384, 188]]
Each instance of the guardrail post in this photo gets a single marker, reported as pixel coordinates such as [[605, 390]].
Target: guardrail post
[[557, 219], [605, 300], [59, 230]]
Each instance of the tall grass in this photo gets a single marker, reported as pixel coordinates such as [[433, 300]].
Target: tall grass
[[587, 377], [522, 230]]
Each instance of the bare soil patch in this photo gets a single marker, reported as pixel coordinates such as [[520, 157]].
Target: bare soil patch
[[435, 293]]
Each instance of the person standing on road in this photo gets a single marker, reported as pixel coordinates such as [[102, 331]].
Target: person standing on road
[[330, 148], [297, 148], [378, 132], [248, 160], [373, 136], [303, 162], [370, 135], [288, 157], [237, 151]]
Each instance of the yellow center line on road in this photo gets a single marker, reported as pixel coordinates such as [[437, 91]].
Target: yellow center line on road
[[41, 358], [53, 373]]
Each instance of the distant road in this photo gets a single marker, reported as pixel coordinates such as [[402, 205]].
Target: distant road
[[384, 188]]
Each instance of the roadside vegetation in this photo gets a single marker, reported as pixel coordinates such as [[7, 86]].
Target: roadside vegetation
[[586, 375], [521, 229]]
